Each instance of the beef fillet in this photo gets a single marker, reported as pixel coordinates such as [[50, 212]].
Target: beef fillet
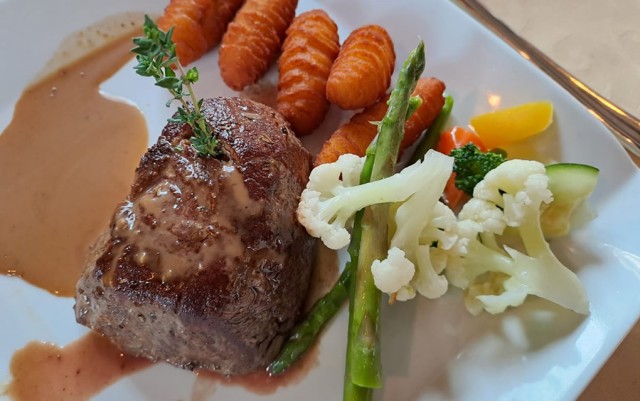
[[204, 265]]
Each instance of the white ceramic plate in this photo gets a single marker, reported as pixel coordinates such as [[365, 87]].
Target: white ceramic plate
[[432, 350]]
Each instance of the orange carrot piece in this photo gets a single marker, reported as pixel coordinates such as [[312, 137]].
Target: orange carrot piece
[[452, 196], [456, 138], [355, 136], [431, 91]]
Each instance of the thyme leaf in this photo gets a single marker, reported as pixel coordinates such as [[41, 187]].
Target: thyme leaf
[[156, 56]]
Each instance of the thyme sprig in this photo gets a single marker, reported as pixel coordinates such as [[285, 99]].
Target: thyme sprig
[[156, 56]]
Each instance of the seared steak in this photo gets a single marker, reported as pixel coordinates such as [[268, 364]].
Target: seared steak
[[204, 265]]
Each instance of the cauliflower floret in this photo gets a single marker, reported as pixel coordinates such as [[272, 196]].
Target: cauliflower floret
[[496, 281], [427, 282], [442, 233], [455, 269], [480, 215], [393, 273], [493, 292], [332, 197], [423, 221], [442, 227], [330, 178], [515, 186], [496, 277]]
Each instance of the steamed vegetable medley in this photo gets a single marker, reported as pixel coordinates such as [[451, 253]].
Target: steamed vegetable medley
[[430, 247], [461, 214]]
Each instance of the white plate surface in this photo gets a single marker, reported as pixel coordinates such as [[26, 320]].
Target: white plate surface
[[432, 350]]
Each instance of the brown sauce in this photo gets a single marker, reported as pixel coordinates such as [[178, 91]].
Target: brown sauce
[[324, 276], [66, 159], [151, 223], [85, 367], [76, 372]]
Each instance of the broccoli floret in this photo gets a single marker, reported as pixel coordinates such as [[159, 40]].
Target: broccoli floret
[[471, 165]]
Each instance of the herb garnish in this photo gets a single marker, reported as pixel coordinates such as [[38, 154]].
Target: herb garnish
[[156, 55]]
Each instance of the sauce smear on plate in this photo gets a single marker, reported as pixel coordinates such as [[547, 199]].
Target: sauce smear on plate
[[43, 371], [66, 159]]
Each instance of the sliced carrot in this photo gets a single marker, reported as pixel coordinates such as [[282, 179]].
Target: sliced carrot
[[455, 138], [431, 92], [355, 136]]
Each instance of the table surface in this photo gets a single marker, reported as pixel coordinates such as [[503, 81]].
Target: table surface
[[598, 42]]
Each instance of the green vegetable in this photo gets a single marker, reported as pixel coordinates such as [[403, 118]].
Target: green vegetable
[[414, 103], [570, 185], [363, 347], [471, 165], [305, 333], [156, 55], [430, 138], [352, 392]]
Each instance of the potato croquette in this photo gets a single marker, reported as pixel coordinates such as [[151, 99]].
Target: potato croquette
[[308, 52], [198, 25], [362, 72], [253, 39]]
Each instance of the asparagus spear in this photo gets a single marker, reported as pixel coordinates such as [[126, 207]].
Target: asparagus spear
[[305, 333], [351, 391], [363, 347], [431, 137]]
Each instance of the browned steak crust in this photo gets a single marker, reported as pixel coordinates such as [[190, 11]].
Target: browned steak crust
[[204, 264]]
